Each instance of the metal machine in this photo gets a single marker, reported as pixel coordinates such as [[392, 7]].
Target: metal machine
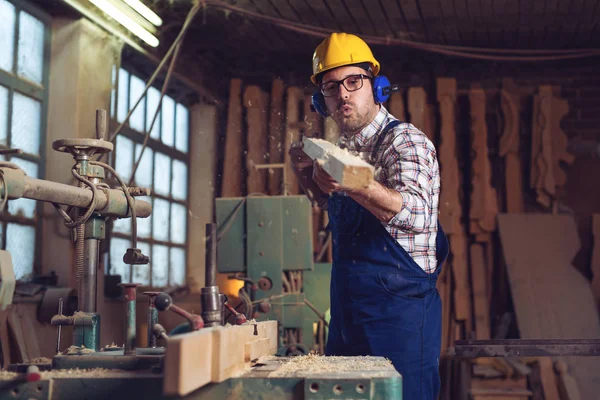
[[266, 241], [130, 371]]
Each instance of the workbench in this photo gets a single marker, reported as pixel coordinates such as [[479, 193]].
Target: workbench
[[306, 377]]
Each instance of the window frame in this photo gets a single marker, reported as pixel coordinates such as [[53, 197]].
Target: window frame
[[156, 145], [14, 83]]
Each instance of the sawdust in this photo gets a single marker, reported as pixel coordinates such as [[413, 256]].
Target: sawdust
[[316, 364], [7, 375], [250, 322], [78, 350], [110, 346], [41, 360], [76, 373]]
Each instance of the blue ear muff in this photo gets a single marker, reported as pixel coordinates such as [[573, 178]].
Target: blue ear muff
[[382, 88], [317, 101]]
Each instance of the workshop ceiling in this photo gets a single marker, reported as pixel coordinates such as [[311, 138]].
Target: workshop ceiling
[[241, 42]]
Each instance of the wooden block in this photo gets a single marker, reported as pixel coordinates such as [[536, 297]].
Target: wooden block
[[214, 354], [233, 168], [347, 169], [257, 348]]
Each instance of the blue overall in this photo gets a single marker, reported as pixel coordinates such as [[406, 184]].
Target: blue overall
[[382, 302]]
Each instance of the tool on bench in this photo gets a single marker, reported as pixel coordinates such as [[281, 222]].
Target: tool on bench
[[164, 302]]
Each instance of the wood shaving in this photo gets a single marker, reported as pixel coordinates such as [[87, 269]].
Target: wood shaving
[[76, 373], [41, 360], [7, 375], [250, 322], [316, 364], [78, 350]]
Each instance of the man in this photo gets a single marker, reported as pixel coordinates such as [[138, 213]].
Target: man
[[387, 244]]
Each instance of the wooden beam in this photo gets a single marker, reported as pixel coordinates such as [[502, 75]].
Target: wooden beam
[[396, 106], [332, 130], [450, 214], [215, 354], [255, 101], [596, 258], [295, 97], [276, 144], [510, 144], [347, 169], [420, 113], [232, 168]]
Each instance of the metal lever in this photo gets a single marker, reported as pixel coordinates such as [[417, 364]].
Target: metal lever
[[164, 302], [240, 318]]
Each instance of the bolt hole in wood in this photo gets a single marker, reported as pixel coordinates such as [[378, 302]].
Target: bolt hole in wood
[[337, 389], [314, 387], [15, 392], [39, 388], [360, 388]]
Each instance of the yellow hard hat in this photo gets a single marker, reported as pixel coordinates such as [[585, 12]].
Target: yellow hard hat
[[341, 49]]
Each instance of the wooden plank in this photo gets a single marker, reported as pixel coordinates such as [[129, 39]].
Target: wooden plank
[[396, 106], [256, 117], [450, 213], [295, 96], [4, 338], [548, 379], [14, 321], [551, 305], [510, 144], [347, 169], [233, 167], [332, 130], [549, 145], [568, 388], [420, 112], [480, 297], [596, 258], [276, 145], [484, 205], [215, 354], [313, 123]]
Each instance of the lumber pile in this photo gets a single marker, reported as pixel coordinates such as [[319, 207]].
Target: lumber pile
[[215, 354]]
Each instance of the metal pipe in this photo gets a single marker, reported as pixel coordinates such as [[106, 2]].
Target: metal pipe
[[88, 281], [211, 255], [130, 333], [115, 205], [152, 318]]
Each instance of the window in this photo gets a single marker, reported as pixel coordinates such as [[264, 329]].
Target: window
[[163, 168], [24, 65]]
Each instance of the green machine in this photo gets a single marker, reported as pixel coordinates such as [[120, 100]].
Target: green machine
[[267, 242]]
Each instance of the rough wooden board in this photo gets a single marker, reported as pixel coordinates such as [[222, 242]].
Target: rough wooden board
[[420, 113], [347, 169], [480, 298], [256, 349], [450, 213], [396, 106], [596, 259], [332, 130], [276, 144], [232, 169], [548, 379], [214, 354], [4, 338], [292, 134], [509, 145], [484, 204], [552, 299], [312, 120], [255, 101]]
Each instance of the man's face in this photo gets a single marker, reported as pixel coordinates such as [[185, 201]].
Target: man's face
[[351, 110]]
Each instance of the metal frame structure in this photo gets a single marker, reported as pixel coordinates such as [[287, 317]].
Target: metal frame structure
[[14, 84], [155, 145]]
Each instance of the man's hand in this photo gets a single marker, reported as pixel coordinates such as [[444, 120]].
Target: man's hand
[[325, 182], [299, 158]]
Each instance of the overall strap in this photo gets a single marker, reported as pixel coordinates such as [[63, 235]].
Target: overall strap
[[382, 135]]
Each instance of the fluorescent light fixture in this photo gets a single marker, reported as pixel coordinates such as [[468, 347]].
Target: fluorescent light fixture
[[127, 22], [144, 11]]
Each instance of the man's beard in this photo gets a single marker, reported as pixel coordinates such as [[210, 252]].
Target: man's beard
[[352, 123]]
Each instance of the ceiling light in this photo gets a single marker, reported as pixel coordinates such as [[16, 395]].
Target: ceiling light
[[127, 22], [144, 11]]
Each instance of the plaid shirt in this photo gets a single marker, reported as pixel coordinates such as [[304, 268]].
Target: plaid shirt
[[406, 161]]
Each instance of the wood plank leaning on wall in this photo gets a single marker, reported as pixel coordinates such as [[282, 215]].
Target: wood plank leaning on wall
[[276, 149], [450, 213], [234, 144], [255, 102]]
